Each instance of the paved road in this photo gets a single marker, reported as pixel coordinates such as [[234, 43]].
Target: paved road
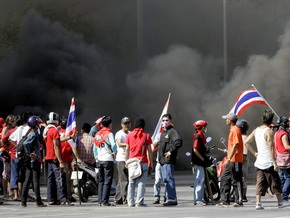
[[184, 209]]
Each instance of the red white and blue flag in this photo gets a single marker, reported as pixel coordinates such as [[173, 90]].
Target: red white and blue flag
[[158, 128], [71, 125], [246, 99]]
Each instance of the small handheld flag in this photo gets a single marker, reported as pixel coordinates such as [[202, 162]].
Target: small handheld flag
[[71, 126], [158, 128]]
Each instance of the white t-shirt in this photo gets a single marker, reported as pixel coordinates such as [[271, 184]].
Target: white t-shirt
[[121, 151], [17, 135]]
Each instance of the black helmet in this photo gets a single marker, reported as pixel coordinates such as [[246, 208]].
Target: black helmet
[[283, 122], [63, 122], [243, 125], [33, 121]]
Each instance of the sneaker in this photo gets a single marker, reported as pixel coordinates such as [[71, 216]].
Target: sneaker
[[284, 204], [107, 204], [41, 204], [259, 206], [222, 204], [156, 201], [140, 205], [238, 205], [245, 199], [200, 203], [170, 203], [66, 203], [23, 205], [118, 202], [54, 203]]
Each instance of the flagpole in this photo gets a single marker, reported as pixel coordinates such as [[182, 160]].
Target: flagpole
[[265, 101]]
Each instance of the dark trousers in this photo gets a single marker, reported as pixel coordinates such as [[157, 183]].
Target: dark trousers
[[232, 175], [32, 173], [56, 183], [105, 180], [122, 185]]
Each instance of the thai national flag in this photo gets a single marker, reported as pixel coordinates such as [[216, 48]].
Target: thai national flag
[[247, 98], [71, 125], [158, 128]]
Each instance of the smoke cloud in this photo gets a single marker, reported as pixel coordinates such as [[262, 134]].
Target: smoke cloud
[[198, 92], [51, 65]]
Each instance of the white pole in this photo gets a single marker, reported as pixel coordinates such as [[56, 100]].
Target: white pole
[[265, 101]]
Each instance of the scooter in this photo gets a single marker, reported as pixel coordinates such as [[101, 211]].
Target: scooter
[[85, 181]]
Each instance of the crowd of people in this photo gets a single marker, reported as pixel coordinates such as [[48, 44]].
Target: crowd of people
[[48, 148], [272, 161]]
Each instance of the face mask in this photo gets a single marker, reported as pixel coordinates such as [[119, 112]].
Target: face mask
[[166, 123]]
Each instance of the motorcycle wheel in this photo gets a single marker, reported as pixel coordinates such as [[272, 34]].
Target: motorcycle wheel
[[82, 193]]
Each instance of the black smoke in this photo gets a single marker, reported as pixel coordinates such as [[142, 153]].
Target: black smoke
[[49, 66]]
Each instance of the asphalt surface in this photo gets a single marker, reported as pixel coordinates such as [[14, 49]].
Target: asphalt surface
[[184, 209]]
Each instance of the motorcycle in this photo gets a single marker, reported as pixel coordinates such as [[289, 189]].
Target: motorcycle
[[212, 187], [85, 181]]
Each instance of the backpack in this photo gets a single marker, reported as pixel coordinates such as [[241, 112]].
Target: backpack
[[21, 154]]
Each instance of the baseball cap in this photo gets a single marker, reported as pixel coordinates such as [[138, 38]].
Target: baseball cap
[[125, 120], [231, 116]]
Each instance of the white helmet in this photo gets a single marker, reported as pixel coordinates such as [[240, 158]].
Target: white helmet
[[52, 118]]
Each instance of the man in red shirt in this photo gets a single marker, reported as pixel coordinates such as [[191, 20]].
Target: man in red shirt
[[56, 177]]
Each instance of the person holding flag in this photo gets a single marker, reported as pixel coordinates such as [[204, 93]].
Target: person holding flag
[[170, 142], [56, 177], [154, 147]]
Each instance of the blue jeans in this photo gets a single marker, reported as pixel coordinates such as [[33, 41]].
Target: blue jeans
[[169, 182], [286, 186], [106, 171], [14, 176], [198, 190], [56, 183], [158, 179], [140, 182]]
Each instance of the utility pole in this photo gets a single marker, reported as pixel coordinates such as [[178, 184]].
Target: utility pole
[[225, 40]]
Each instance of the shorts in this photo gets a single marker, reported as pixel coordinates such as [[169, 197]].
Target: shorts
[[268, 178]]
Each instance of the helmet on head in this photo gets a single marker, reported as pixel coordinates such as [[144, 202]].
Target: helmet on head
[[52, 118], [243, 125], [199, 124], [32, 121], [283, 122]]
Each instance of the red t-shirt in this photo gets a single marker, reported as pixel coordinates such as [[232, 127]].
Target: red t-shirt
[[278, 141], [66, 149], [12, 148], [52, 135], [138, 145]]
